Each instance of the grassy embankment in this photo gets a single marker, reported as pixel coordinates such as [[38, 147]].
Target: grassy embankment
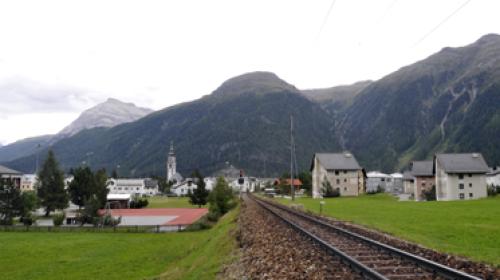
[[466, 228], [184, 255]]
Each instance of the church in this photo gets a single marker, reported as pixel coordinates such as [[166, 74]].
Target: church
[[172, 174]]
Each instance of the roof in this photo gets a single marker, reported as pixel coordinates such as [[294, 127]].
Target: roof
[[296, 182], [6, 170], [494, 171], [422, 168], [397, 175], [338, 161], [376, 174], [407, 175], [462, 163], [118, 196]]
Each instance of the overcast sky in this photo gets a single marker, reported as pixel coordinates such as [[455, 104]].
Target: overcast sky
[[58, 58]]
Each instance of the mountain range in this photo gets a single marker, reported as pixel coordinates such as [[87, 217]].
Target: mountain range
[[448, 102]]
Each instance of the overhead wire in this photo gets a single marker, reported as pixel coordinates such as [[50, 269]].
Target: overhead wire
[[442, 22]]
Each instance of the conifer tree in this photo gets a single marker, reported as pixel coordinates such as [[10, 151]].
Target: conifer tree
[[50, 185]]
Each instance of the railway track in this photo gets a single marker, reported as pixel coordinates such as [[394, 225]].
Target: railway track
[[371, 259]]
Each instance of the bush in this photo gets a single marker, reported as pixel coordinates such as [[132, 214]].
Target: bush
[[108, 220], [27, 220], [221, 199], [58, 219], [429, 195], [138, 203]]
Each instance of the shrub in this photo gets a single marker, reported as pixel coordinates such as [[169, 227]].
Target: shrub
[[108, 220], [28, 219], [221, 199], [430, 195], [138, 203], [58, 219]]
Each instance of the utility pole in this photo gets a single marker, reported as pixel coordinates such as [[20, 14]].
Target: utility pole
[[292, 189]]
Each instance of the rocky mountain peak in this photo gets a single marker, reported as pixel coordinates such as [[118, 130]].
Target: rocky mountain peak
[[110, 113]]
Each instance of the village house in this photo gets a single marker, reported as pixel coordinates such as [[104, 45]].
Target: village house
[[493, 177], [395, 183], [11, 175], [460, 176], [375, 181], [423, 173], [341, 170], [28, 182], [134, 187], [183, 188], [408, 183]]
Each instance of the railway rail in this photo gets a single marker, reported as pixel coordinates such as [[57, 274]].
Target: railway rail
[[370, 258]]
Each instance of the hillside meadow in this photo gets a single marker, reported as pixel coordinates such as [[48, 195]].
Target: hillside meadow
[[84, 255], [466, 228]]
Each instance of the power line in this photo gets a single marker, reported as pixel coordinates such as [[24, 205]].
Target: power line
[[442, 22], [325, 20]]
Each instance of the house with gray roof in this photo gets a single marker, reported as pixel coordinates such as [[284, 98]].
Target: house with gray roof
[[423, 173], [341, 170], [460, 176], [11, 174]]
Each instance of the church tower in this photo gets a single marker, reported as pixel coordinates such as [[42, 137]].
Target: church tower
[[171, 163]]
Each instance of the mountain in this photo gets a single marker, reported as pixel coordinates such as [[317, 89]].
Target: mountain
[[448, 102], [107, 114], [245, 122], [24, 147]]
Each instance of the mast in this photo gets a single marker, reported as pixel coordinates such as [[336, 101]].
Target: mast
[[292, 189]]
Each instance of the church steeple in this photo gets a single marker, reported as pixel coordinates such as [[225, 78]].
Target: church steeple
[[171, 163], [172, 152]]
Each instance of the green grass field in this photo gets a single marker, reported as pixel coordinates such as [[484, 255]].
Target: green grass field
[[185, 255], [466, 228], [169, 202]]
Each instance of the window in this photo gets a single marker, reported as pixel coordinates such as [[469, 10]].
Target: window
[[345, 171], [461, 186], [338, 181], [470, 175], [336, 172], [383, 179], [462, 196], [423, 184], [470, 185], [460, 176], [345, 180], [471, 195], [345, 189]]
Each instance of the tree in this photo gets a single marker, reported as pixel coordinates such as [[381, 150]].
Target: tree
[[10, 200], [306, 178], [221, 198], [328, 190], [199, 196], [50, 185], [81, 188]]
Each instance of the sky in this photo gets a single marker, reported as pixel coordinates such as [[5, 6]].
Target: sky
[[58, 58]]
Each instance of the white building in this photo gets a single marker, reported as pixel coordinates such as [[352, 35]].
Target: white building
[[28, 182], [183, 188], [460, 176], [244, 184], [342, 172], [493, 177], [395, 183], [376, 180], [134, 187]]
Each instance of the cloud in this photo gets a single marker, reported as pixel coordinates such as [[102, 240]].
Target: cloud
[[23, 96]]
